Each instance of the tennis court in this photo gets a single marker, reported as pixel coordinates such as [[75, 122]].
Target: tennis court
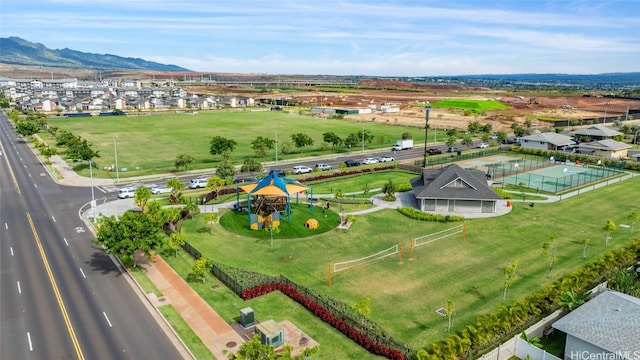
[[538, 173], [558, 178]]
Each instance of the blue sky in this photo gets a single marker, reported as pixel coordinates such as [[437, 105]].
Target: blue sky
[[351, 37]]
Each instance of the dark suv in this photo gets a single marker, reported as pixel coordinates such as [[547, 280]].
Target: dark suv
[[278, 172], [351, 163]]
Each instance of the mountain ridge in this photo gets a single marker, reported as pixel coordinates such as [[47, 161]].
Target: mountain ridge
[[17, 51]]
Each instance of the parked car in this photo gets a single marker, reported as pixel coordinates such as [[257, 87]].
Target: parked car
[[452, 149], [483, 145], [324, 167], [279, 172], [302, 169], [158, 189], [127, 192], [510, 141], [434, 151], [197, 183], [241, 178], [370, 161], [385, 159], [351, 163]]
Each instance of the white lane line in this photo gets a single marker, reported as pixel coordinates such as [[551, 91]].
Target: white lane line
[[54, 219], [65, 241], [106, 317], [82, 272], [11, 249], [6, 226], [19, 288], [29, 174], [36, 185], [30, 343]]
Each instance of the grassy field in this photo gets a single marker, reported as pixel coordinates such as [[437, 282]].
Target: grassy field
[[474, 105], [148, 144], [404, 296]]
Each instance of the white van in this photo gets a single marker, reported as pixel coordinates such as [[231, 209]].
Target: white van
[[127, 192]]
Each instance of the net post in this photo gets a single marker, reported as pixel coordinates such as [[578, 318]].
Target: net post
[[330, 271], [400, 252], [464, 231]]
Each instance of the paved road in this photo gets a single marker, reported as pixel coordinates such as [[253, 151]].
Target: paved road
[[60, 296]]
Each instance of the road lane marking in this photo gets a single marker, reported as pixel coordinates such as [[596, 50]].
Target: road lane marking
[[35, 185], [13, 176], [6, 226], [82, 272], [65, 241], [56, 291], [19, 289], [30, 343], [11, 249], [106, 317], [54, 219]]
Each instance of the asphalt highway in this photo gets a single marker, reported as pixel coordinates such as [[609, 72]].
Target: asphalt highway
[[61, 297]]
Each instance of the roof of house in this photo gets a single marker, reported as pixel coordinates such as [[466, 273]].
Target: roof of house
[[597, 130], [433, 184], [548, 137], [605, 145], [611, 321]]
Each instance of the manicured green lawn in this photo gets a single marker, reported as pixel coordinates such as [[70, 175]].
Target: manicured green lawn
[[194, 343], [149, 144], [404, 296], [360, 182], [467, 104]]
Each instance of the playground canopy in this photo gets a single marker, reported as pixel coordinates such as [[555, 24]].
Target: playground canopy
[[272, 191]]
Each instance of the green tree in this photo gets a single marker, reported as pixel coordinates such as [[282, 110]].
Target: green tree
[[201, 267], [141, 197], [250, 165], [27, 127], [389, 189], [81, 150], [362, 308], [474, 127], [501, 136], [132, 231], [261, 145], [285, 147], [176, 186], [332, 138], [467, 140], [449, 315], [451, 141], [510, 276], [549, 249], [254, 349], [175, 241], [407, 136], [183, 161], [633, 218], [300, 140], [585, 247], [216, 183], [219, 145], [211, 219], [608, 228], [352, 140], [226, 169]]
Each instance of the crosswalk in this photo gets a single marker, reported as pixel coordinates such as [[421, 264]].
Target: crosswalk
[[107, 188]]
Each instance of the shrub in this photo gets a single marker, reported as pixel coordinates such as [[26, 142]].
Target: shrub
[[425, 216]]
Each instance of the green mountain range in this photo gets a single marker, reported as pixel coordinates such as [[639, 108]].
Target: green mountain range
[[17, 51]]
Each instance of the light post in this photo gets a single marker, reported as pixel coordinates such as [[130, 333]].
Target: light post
[[362, 137], [115, 155], [516, 166], [93, 198], [426, 132]]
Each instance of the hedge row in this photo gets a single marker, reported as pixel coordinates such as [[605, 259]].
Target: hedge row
[[425, 216]]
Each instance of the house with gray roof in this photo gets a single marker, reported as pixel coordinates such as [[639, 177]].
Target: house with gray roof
[[604, 148], [452, 189], [546, 141], [596, 132], [605, 327]]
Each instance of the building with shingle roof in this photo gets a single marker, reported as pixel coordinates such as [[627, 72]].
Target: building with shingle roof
[[596, 132], [604, 148], [546, 141], [605, 327], [452, 189]]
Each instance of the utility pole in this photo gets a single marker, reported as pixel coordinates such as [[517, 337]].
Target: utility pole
[[426, 132]]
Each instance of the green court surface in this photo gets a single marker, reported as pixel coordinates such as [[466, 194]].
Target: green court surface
[[558, 178]]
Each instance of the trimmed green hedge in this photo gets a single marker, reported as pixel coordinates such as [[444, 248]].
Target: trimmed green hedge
[[424, 216]]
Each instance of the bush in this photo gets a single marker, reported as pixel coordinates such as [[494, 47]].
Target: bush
[[425, 216]]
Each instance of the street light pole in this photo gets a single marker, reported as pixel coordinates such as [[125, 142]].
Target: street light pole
[[115, 154], [426, 132], [363, 137], [93, 198]]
